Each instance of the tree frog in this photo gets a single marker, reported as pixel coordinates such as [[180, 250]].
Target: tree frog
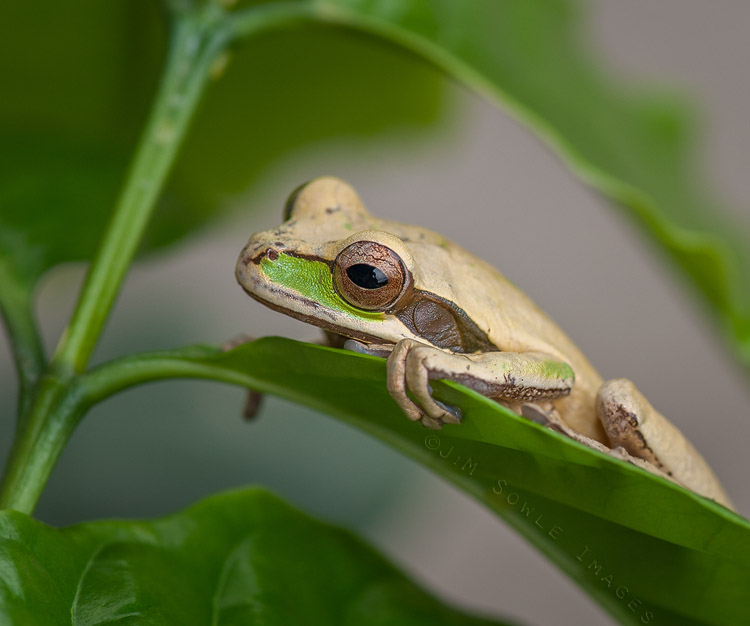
[[437, 311]]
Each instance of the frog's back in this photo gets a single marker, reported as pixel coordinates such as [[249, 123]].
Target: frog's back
[[511, 320]]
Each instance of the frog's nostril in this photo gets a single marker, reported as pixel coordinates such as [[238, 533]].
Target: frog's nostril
[[271, 254]]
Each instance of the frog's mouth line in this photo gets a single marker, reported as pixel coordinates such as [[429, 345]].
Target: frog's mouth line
[[354, 341]]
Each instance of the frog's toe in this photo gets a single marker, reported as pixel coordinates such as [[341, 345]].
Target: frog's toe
[[396, 381], [434, 409], [447, 415], [412, 410], [409, 384], [433, 424], [418, 381], [451, 414], [397, 389], [438, 411]]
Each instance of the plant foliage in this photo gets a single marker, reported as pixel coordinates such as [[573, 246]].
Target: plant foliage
[[73, 104]]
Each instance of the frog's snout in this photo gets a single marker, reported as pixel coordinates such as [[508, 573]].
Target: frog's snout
[[253, 253], [248, 261], [258, 250]]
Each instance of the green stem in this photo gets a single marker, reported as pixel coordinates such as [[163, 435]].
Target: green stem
[[199, 37], [195, 45], [196, 42], [25, 341], [248, 22], [132, 370], [40, 442], [37, 445]]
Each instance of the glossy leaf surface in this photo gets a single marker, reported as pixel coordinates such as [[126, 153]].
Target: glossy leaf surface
[[644, 547], [242, 557]]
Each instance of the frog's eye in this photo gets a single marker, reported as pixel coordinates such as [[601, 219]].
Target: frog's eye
[[370, 276]]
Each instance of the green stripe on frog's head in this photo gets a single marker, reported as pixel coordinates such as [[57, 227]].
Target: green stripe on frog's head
[[311, 279]]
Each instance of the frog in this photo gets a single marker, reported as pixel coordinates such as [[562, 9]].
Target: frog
[[437, 311]]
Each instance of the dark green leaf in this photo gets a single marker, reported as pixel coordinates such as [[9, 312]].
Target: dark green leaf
[[645, 548], [242, 557]]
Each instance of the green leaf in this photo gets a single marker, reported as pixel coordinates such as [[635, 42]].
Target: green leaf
[[645, 548], [77, 89], [243, 557]]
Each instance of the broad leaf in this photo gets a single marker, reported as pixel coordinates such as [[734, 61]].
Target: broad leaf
[[243, 557], [645, 548]]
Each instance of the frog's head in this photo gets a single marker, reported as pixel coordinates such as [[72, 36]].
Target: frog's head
[[333, 265]]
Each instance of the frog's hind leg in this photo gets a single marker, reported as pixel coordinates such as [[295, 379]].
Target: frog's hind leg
[[549, 417], [633, 424]]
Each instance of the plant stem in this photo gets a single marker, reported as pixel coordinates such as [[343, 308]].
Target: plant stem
[[136, 369], [25, 341], [41, 440], [199, 36], [195, 45], [197, 40], [247, 22], [37, 445]]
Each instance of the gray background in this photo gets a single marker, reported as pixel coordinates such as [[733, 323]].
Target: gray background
[[488, 184]]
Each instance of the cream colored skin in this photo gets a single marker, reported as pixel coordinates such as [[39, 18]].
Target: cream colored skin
[[533, 367]]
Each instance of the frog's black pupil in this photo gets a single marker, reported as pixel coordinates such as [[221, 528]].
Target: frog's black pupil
[[366, 276]]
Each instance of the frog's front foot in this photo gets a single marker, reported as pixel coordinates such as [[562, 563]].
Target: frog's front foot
[[411, 365]]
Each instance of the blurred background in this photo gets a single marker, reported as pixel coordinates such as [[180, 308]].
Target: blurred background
[[469, 171]]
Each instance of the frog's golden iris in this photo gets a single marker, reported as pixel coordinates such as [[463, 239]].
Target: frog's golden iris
[[370, 276]]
